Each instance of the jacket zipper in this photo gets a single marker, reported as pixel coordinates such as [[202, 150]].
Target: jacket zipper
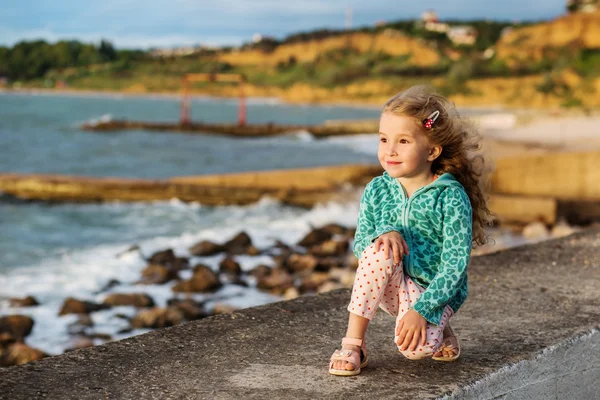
[[405, 223]]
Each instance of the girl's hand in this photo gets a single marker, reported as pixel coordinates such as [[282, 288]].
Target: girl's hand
[[411, 331], [396, 242]]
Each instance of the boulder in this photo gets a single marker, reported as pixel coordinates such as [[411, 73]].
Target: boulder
[[221, 308], [237, 280], [74, 306], [351, 261], [180, 263], [28, 301], [252, 251], [133, 299], [330, 248], [158, 317], [203, 280], [206, 248], [156, 274], [238, 244], [16, 326], [312, 282], [343, 275], [277, 281], [301, 262], [324, 264], [168, 259], [315, 237], [20, 353], [260, 271], [230, 267], [164, 257], [80, 326], [6, 339], [291, 293], [190, 309]]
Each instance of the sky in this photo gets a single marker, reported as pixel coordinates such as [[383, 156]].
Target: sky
[[145, 24]]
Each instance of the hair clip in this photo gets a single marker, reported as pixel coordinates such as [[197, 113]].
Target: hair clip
[[428, 122]]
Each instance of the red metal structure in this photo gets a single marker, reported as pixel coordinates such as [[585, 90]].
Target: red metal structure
[[185, 100]]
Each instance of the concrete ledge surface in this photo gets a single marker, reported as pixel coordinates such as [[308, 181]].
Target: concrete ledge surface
[[524, 303]]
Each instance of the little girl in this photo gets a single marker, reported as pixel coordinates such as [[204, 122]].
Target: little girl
[[416, 226]]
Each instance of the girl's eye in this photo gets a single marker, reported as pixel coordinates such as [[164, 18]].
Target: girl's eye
[[382, 140], [403, 141]]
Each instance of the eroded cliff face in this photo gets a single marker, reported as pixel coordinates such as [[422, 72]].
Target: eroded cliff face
[[531, 43], [389, 42]]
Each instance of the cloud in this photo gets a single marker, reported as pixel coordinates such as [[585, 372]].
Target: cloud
[[136, 23]]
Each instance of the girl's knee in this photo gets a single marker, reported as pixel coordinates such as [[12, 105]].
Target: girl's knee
[[373, 256]]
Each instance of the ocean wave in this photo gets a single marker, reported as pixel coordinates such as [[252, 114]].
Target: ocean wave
[[83, 273]]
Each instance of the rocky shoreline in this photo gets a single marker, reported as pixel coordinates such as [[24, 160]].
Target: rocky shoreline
[[320, 262]]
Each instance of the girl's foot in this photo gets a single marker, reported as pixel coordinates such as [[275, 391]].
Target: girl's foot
[[449, 349], [350, 359], [346, 365]]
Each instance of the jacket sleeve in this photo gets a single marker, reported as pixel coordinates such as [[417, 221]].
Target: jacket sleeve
[[456, 252], [366, 228]]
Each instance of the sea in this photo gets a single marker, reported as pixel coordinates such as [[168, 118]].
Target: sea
[[57, 250]]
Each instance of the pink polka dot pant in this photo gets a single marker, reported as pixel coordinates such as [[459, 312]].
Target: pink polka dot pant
[[380, 283]]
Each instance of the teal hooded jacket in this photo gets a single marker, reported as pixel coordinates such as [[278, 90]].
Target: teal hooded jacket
[[436, 223]]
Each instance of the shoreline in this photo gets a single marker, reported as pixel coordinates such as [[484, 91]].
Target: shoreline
[[175, 96], [195, 95], [532, 114]]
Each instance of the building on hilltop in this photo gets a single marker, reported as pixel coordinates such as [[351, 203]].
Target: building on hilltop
[[437, 27], [459, 35], [463, 35], [429, 16]]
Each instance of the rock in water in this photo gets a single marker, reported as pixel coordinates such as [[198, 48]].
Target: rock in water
[[134, 299], [20, 353], [203, 280], [277, 281], [239, 244], [17, 326], [260, 271], [317, 236], [157, 317], [28, 301], [156, 274], [230, 266], [74, 306], [206, 248], [191, 310], [164, 257], [300, 262]]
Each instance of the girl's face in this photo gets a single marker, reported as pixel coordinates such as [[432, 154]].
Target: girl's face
[[404, 150]]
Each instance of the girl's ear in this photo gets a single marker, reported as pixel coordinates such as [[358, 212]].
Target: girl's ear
[[434, 153]]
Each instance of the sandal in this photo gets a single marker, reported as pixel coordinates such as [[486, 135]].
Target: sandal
[[350, 356], [450, 343]]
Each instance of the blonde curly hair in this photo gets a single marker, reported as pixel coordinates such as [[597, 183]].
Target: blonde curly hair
[[459, 140]]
